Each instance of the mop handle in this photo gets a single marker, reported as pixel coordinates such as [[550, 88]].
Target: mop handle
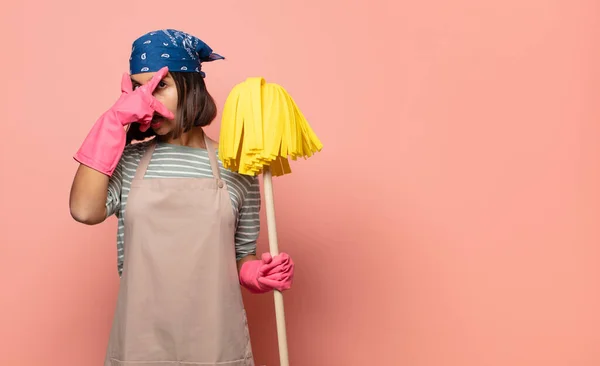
[[274, 249]]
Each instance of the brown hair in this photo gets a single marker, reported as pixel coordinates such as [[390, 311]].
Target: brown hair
[[195, 107]]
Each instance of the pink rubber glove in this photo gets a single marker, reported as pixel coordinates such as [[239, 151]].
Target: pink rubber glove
[[102, 148], [266, 274]]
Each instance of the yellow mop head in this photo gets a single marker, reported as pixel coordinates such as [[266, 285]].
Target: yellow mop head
[[263, 126]]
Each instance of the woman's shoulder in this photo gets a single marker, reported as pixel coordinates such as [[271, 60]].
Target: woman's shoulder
[[247, 180], [132, 154], [244, 179], [137, 149]]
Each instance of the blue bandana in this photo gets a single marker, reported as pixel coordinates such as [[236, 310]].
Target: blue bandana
[[177, 50]]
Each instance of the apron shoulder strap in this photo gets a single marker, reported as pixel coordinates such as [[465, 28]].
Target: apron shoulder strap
[[214, 164], [143, 165]]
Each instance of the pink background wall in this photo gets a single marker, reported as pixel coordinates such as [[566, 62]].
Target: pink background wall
[[461, 228]]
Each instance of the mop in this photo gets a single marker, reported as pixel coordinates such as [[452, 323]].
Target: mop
[[261, 128]]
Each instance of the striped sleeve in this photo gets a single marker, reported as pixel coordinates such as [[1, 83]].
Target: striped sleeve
[[248, 227], [113, 197]]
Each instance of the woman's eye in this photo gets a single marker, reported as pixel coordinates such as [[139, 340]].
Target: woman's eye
[[161, 85]]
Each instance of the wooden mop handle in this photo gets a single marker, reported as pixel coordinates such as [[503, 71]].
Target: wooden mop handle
[[274, 249]]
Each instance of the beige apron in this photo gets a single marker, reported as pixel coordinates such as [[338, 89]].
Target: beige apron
[[179, 300]]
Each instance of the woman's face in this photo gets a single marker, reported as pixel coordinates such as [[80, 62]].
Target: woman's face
[[165, 93]]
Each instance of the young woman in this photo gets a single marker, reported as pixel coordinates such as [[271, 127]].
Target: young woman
[[187, 227]]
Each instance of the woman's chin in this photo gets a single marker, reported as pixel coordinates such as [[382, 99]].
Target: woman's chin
[[160, 129]]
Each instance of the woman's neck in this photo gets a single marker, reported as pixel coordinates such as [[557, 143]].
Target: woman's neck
[[192, 138]]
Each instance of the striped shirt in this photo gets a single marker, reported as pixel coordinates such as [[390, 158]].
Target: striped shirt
[[176, 161]]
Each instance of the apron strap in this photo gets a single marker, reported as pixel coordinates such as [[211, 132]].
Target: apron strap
[[143, 166], [214, 165]]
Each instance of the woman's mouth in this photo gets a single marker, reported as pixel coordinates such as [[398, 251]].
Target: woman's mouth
[[156, 122]]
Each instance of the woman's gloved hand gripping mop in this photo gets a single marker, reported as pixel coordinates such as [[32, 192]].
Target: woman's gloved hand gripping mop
[[261, 128]]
